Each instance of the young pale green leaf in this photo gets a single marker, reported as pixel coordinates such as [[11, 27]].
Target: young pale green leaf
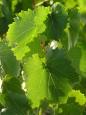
[[36, 80], [79, 97], [82, 4], [27, 26]]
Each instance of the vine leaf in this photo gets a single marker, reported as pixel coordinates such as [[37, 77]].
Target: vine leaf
[[27, 26], [60, 66], [56, 22], [77, 55], [10, 65], [36, 80], [63, 75], [79, 97], [13, 96], [74, 27], [51, 82], [71, 108]]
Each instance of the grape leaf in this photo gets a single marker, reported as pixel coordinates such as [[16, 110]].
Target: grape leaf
[[63, 75], [56, 22], [79, 97], [14, 96], [10, 65], [71, 108], [77, 56], [82, 4], [26, 27], [74, 27], [83, 62], [27, 4], [36, 80], [60, 66]]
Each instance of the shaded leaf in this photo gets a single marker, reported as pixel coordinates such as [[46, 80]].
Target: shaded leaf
[[10, 65], [56, 22]]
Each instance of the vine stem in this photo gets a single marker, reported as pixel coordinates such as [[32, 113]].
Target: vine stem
[[33, 4]]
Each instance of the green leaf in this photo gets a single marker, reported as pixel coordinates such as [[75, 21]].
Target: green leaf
[[82, 4], [35, 74], [74, 27], [27, 26], [82, 61], [71, 108], [9, 112], [69, 4], [63, 75], [2, 99], [10, 65], [79, 97], [36, 79], [27, 4], [58, 89], [56, 22], [77, 55], [74, 54], [60, 66], [14, 96]]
